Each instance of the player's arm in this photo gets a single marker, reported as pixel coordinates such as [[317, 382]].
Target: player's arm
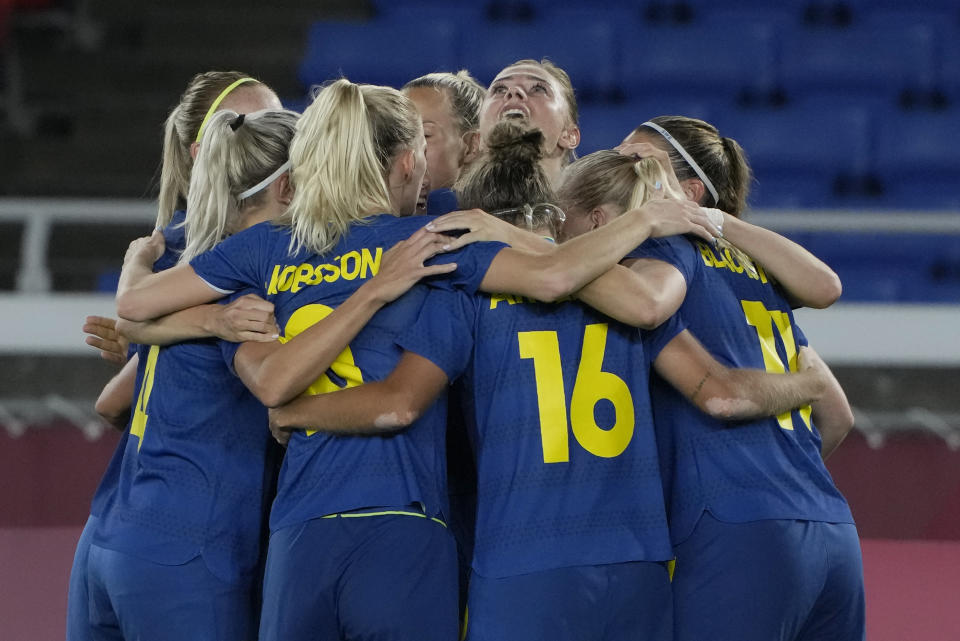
[[807, 280], [832, 414], [734, 394], [248, 318], [276, 373], [116, 399], [552, 275], [642, 292], [143, 295], [380, 407]]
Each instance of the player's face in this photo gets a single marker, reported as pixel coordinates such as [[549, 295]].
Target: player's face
[[528, 94], [445, 144]]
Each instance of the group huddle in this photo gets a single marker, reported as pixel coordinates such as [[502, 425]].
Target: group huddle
[[512, 394]]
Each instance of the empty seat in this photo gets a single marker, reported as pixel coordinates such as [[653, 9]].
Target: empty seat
[[582, 43], [386, 52], [917, 157], [882, 60], [722, 58]]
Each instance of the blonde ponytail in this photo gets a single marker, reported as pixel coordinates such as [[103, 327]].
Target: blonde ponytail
[[174, 171], [342, 153], [238, 152], [180, 132], [608, 177]]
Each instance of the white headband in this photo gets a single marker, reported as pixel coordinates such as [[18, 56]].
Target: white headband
[[690, 161], [266, 181]]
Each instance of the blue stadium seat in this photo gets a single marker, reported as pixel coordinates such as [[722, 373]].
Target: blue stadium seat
[[368, 52], [887, 266], [584, 44], [917, 157], [717, 59], [812, 135], [605, 126], [880, 61]]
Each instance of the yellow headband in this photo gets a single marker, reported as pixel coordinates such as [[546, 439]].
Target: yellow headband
[[216, 103]]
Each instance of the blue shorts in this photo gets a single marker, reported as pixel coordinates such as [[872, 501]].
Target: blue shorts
[[131, 598], [361, 576], [78, 610], [775, 580], [616, 602]]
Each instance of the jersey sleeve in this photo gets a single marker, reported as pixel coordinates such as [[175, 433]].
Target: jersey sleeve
[[236, 262], [675, 250], [472, 261], [656, 339], [227, 349], [443, 331]]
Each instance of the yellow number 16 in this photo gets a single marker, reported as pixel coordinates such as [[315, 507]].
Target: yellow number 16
[[591, 386]]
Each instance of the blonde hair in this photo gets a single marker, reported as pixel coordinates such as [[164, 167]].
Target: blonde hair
[[180, 131], [342, 152], [608, 177], [238, 152], [465, 94]]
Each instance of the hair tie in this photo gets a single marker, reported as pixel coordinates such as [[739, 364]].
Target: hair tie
[[238, 121]]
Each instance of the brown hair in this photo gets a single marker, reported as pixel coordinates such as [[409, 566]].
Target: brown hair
[[721, 159], [509, 175]]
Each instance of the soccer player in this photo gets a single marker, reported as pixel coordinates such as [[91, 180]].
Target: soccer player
[[537, 94], [765, 543], [245, 319], [571, 535], [449, 104], [371, 505]]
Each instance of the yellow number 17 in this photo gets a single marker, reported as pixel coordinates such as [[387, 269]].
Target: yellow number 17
[[763, 320], [591, 386]]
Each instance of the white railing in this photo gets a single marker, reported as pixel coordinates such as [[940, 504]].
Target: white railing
[[32, 320]]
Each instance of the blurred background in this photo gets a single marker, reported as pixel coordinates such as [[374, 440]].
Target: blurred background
[[848, 110]]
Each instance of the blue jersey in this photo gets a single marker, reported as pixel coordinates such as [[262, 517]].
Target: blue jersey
[[191, 481], [173, 235], [324, 474], [556, 402], [764, 469], [442, 201]]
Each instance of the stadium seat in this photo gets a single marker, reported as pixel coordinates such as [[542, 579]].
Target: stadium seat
[[582, 43], [917, 157], [879, 61], [715, 59], [367, 52], [605, 126]]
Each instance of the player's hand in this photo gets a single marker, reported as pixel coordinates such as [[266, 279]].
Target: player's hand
[[403, 264], [146, 250], [281, 433], [103, 335], [479, 226], [669, 217], [248, 318], [640, 150]]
